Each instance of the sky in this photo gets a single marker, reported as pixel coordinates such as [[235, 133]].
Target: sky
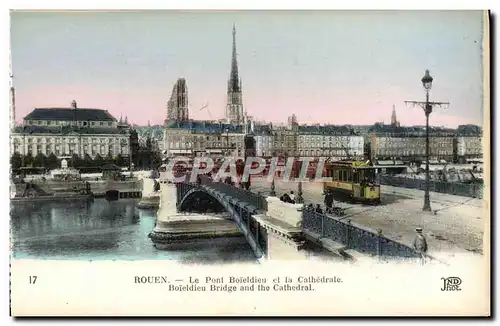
[[339, 67]]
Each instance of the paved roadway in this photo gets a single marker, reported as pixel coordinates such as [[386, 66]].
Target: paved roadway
[[457, 227]]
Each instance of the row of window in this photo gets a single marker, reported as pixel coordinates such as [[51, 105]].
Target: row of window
[[178, 145], [67, 123], [203, 138], [336, 153], [332, 145], [325, 138], [412, 152], [415, 145], [393, 140], [70, 151], [36, 140]]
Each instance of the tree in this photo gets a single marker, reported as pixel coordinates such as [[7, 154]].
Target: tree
[[52, 162], [109, 158], [75, 161], [98, 161], [120, 160], [367, 150], [39, 160], [16, 161], [28, 160], [87, 161], [134, 146]]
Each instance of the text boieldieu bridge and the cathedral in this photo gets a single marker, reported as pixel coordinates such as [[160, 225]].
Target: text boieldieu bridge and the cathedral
[[275, 229]]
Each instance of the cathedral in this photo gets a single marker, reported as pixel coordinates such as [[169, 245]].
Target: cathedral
[[177, 106]]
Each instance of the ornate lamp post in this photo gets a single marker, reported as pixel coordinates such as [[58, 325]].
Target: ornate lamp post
[[427, 106], [227, 142], [273, 189], [299, 199]]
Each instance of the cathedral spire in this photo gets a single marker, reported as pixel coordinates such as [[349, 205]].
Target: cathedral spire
[[394, 120], [234, 80], [234, 110]]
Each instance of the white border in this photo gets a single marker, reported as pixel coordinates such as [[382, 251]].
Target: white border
[[186, 4]]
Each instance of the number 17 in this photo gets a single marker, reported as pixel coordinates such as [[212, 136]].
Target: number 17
[[33, 279]]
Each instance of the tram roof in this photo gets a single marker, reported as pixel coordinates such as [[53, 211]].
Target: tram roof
[[353, 164]]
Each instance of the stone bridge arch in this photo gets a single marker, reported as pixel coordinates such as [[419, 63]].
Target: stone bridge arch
[[199, 200], [238, 210]]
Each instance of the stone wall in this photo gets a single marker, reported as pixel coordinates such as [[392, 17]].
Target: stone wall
[[285, 212], [279, 248]]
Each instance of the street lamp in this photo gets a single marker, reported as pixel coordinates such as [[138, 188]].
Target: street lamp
[[273, 188], [299, 199], [227, 141], [427, 106]]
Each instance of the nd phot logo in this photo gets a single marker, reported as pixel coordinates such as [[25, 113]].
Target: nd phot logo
[[451, 283]]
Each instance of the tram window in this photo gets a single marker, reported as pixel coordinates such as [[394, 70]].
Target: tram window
[[355, 177], [349, 176], [336, 175]]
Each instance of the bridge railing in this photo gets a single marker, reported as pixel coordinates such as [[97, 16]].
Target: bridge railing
[[354, 236], [474, 190], [249, 197]]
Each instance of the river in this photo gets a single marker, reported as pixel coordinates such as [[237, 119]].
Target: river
[[102, 230]]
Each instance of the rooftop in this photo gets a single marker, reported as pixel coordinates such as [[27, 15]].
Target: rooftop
[[326, 130], [69, 114], [406, 131], [205, 127]]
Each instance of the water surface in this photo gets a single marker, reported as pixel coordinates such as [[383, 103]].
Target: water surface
[[102, 230]]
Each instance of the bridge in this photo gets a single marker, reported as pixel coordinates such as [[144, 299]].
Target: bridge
[[241, 205], [275, 229]]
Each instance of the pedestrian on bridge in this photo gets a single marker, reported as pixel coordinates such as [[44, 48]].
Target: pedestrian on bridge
[[328, 201], [420, 244]]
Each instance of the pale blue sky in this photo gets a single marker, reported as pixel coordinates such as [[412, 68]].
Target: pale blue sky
[[330, 66]]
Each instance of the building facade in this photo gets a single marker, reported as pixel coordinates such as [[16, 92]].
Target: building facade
[[203, 138], [408, 144], [154, 134], [336, 142], [68, 131], [264, 140], [469, 148]]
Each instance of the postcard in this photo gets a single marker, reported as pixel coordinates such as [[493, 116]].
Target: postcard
[[249, 163]]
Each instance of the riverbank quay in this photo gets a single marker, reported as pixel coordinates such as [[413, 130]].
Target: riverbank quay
[[150, 199]]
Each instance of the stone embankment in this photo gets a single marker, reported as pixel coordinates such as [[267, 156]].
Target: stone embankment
[[173, 227]]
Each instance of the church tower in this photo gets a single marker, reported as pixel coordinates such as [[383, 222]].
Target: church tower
[[12, 103], [234, 110], [177, 106], [394, 120]]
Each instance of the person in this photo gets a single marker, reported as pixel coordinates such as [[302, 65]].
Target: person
[[286, 198], [310, 207], [156, 186], [420, 244], [328, 201], [292, 197], [318, 209]]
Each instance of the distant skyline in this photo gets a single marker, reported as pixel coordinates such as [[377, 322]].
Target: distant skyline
[[339, 67]]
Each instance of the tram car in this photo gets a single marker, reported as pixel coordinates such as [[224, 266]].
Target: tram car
[[353, 180]]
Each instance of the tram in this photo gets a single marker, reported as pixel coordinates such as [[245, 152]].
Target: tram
[[354, 180]]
